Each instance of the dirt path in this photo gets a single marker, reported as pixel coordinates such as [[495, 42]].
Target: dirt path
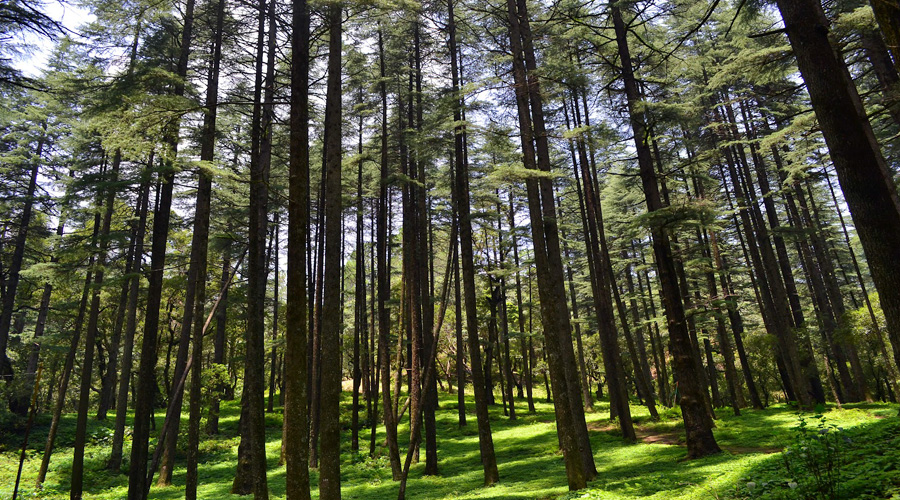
[[671, 438]]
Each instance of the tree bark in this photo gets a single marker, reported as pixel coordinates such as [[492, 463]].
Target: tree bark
[[330, 466], [485, 439], [77, 485], [295, 435], [138, 487], [862, 172], [697, 424]]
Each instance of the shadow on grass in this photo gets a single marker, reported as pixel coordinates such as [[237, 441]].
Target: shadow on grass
[[529, 463]]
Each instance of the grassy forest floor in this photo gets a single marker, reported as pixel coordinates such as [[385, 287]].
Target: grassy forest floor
[[855, 450]]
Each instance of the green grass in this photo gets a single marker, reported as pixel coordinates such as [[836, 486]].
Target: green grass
[[530, 466]]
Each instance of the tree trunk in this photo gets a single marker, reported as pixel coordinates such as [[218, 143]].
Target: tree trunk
[[295, 435], [457, 303], [360, 321], [525, 339], [199, 244], [887, 13], [548, 263], [384, 280], [15, 266], [273, 358], [138, 487], [252, 478], [863, 174], [485, 439], [330, 467], [697, 424], [70, 360], [77, 485]]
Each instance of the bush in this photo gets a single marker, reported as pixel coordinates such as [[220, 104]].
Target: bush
[[815, 459]]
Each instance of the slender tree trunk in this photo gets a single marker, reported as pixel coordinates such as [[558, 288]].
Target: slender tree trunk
[[698, 425], [360, 320], [273, 357], [315, 352], [90, 338], [460, 346], [735, 395], [504, 321], [429, 398], [430, 372], [771, 293], [781, 259], [200, 258], [196, 277], [15, 266], [134, 282], [485, 439], [384, 281], [212, 422], [525, 339], [879, 57], [108, 382], [373, 353], [602, 282], [70, 359]]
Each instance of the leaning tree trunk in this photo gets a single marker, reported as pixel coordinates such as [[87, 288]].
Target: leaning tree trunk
[[138, 487], [862, 172], [697, 424], [15, 266], [70, 360]]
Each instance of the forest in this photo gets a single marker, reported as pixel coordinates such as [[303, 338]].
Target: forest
[[447, 249]]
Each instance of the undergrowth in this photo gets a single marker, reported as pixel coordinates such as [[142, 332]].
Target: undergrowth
[[866, 458]]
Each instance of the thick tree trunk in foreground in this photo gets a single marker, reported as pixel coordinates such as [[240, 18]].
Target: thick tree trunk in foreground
[[330, 466], [295, 435], [575, 473], [862, 172], [146, 387], [251, 469]]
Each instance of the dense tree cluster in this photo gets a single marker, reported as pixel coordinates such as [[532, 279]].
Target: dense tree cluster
[[673, 203]]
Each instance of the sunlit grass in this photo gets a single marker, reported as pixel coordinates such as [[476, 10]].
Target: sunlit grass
[[529, 463]]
